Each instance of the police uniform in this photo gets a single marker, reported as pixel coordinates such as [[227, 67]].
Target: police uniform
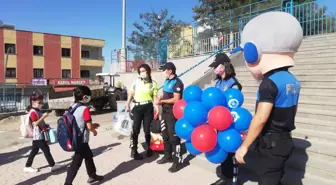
[[275, 145], [142, 112], [229, 168], [172, 143]]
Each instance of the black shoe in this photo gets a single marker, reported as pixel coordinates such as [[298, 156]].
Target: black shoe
[[165, 159], [94, 179], [135, 155], [175, 167], [222, 182], [149, 153]]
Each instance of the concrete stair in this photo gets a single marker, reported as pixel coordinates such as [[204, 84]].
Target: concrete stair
[[314, 158]]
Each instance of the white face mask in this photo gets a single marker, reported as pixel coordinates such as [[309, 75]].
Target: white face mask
[[143, 75], [40, 106], [86, 99], [165, 75]]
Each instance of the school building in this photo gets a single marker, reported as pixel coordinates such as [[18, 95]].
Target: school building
[[34, 56]]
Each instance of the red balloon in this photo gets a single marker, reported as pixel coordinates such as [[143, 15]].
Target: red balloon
[[178, 108], [204, 138], [220, 118]]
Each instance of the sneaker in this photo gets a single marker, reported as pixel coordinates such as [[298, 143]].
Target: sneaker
[[55, 167], [165, 159], [149, 153], [30, 170], [95, 178], [175, 167]]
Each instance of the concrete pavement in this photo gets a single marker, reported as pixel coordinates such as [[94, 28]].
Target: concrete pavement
[[112, 159]]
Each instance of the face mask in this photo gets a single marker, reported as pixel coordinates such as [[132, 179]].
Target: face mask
[[40, 106], [165, 75], [143, 75], [87, 99], [220, 73]]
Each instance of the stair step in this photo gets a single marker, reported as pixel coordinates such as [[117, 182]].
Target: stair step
[[313, 59], [308, 92], [315, 124], [318, 53], [326, 47], [310, 77], [314, 134], [299, 72], [319, 114]]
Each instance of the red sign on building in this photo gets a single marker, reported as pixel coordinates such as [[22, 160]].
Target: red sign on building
[[69, 82]]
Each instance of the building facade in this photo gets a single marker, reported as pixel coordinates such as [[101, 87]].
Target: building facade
[[33, 55]]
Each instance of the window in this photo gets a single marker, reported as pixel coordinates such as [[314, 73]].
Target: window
[[66, 73], [11, 73], [66, 52], [85, 74], [38, 50], [85, 54], [38, 73], [10, 48]]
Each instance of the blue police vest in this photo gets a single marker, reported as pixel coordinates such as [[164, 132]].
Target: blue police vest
[[168, 86], [225, 84], [282, 118]]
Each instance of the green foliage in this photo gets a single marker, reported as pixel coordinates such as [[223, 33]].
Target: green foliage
[[152, 26]]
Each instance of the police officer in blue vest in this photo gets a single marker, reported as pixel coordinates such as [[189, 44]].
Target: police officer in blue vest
[[226, 79], [172, 92], [269, 42]]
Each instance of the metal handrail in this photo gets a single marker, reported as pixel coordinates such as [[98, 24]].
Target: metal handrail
[[202, 61]]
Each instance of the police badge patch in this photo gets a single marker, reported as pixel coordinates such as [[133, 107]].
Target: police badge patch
[[178, 89]]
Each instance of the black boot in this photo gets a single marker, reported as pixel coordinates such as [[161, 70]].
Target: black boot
[[149, 151], [165, 159], [223, 182], [135, 155], [178, 160], [95, 178]]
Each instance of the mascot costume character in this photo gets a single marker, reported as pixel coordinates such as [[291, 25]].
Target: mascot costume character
[[269, 42]]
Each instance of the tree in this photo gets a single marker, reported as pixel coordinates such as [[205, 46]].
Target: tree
[[153, 26]]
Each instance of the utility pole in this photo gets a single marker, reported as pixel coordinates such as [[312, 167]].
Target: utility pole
[[123, 57]]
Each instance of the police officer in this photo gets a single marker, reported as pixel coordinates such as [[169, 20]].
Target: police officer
[[226, 79], [269, 42], [143, 91], [172, 92]]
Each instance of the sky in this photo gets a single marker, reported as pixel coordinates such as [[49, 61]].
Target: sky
[[94, 19]]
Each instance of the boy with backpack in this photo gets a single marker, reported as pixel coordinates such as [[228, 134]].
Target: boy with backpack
[[80, 118]]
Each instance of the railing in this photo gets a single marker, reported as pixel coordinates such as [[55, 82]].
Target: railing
[[185, 48], [235, 42], [313, 19], [93, 58]]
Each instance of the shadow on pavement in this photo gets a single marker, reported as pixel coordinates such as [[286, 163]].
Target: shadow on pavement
[[10, 157], [126, 167], [43, 177]]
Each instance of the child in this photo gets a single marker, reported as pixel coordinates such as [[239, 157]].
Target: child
[[39, 142], [82, 115]]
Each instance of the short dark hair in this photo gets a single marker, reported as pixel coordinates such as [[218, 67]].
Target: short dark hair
[[229, 71], [81, 91], [148, 70], [34, 97]]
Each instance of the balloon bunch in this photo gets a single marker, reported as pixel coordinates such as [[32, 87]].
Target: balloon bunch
[[211, 122]]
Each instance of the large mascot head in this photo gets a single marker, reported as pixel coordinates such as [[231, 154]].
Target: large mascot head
[[269, 42]]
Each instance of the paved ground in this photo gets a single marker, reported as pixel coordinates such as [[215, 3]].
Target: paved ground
[[111, 158]]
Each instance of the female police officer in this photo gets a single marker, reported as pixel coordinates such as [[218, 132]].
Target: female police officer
[[172, 92], [225, 79], [143, 91]]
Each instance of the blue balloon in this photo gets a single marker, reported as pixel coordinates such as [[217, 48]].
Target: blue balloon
[[195, 113], [213, 97], [217, 155], [234, 98], [191, 149], [229, 140], [183, 129], [192, 93], [241, 118]]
